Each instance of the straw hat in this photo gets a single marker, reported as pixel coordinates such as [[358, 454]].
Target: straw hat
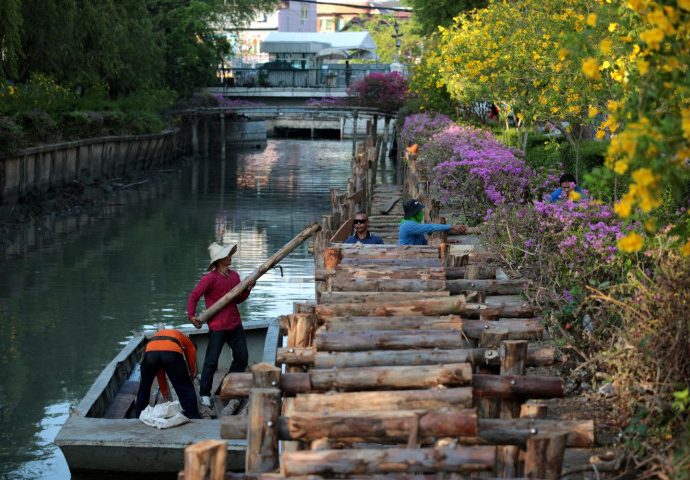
[[217, 252]]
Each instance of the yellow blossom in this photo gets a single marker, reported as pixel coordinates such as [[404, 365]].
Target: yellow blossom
[[632, 243], [684, 4], [644, 177], [574, 196], [605, 46], [648, 200], [643, 66], [591, 69], [653, 37], [623, 208], [11, 89], [612, 105], [600, 134], [637, 5], [685, 123], [605, 64], [620, 167], [592, 111], [592, 20], [650, 226], [685, 249], [563, 54], [612, 27]]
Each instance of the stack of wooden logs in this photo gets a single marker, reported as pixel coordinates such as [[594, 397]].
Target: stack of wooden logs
[[391, 376]]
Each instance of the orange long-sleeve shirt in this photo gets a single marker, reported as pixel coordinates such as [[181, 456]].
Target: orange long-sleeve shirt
[[185, 347]]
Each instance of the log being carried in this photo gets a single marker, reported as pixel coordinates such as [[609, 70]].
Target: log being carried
[[272, 261]]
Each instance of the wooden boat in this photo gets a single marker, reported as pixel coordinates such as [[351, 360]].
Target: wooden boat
[[98, 436]]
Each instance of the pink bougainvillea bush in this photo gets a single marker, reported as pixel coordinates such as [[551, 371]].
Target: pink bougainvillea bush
[[385, 91], [473, 172], [420, 127]]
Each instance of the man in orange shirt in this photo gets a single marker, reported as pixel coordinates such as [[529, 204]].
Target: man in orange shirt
[[173, 353]]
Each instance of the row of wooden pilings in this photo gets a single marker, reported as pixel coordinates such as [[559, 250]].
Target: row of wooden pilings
[[412, 364], [382, 371]]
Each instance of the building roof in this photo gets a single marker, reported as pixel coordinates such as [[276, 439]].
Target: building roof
[[313, 42]]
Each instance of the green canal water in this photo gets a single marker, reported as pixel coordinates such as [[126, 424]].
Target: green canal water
[[68, 307]]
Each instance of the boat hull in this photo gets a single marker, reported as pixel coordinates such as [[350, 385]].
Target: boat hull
[[91, 443]]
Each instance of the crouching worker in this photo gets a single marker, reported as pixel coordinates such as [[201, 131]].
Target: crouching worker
[[171, 353]]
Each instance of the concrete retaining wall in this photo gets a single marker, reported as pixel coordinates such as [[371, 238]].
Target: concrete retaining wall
[[55, 165]]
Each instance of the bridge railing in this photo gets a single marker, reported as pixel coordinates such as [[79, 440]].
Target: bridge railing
[[325, 77]]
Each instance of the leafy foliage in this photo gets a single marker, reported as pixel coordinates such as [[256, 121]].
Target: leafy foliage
[[430, 14]]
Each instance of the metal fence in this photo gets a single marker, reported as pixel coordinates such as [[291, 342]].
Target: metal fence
[[332, 76]]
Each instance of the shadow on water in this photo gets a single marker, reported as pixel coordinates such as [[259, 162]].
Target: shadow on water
[[68, 307]]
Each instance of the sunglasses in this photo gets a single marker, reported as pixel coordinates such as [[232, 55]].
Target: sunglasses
[[356, 221]]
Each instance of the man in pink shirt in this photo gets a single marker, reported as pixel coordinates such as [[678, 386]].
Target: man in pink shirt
[[226, 325]]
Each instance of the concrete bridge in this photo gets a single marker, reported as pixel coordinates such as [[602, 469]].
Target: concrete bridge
[[303, 121]]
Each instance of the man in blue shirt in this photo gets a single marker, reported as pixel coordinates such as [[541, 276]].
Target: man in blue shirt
[[413, 231], [362, 233], [568, 184]]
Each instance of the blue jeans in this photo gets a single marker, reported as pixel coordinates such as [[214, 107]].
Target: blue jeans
[[175, 367], [237, 341]]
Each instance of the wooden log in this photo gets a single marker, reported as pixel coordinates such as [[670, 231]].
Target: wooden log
[[368, 324], [513, 356], [296, 356], [389, 340], [490, 431], [482, 272], [435, 398], [537, 356], [544, 458], [375, 297], [237, 385], [492, 337], [517, 329], [300, 328], [342, 284], [262, 432], [389, 427], [392, 460], [428, 307], [376, 272], [303, 307], [396, 358], [389, 251], [402, 262], [391, 378], [265, 375], [494, 431], [490, 287], [332, 257], [205, 460], [517, 386], [273, 260]]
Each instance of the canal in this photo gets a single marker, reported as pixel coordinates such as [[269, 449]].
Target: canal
[[67, 308]]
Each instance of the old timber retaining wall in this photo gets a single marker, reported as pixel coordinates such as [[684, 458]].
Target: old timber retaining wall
[[104, 157]]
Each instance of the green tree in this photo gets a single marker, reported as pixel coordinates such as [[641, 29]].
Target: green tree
[[10, 37], [431, 14]]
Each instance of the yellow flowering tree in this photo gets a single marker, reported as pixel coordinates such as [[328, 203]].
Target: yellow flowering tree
[[650, 120], [527, 56]]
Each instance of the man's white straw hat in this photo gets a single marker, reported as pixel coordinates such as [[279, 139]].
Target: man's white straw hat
[[217, 252]]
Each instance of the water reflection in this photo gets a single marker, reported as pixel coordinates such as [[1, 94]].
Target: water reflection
[[69, 307]]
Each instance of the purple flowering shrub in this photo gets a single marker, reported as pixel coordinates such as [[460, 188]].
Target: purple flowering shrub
[[473, 172], [420, 127], [385, 91], [560, 247]]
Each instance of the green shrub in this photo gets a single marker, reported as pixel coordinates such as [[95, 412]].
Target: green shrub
[[11, 136], [39, 126], [75, 125], [592, 155]]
